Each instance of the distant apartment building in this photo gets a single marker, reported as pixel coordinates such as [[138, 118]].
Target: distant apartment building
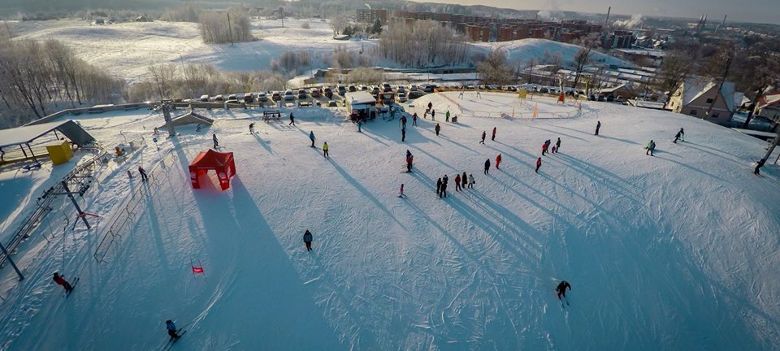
[[479, 28], [371, 15], [619, 39]]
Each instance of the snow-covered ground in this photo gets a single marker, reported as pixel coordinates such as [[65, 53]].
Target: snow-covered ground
[[677, 251], [126, 50]]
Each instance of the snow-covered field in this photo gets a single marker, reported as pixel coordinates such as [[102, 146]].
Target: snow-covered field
[[673, 252], [126, 50]]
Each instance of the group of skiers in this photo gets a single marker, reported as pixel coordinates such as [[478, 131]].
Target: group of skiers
[[461, 182]]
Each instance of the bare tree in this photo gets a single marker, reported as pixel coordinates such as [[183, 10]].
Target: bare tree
[[755, 71], [580, 60], [495, 69], [675, 69]]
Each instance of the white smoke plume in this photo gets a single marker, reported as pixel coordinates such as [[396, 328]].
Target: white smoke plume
[[634, 22]]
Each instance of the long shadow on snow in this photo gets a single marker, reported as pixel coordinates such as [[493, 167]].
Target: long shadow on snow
[[599, 175], [260, 282]]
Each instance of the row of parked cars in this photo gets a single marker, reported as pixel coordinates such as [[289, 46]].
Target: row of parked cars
[[400, 93]]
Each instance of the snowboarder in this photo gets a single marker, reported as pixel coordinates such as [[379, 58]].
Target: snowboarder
[[216, 141], [487, 166], [403, 134], [558, 145], [437, 129], [325, 150], [678, 136], [414, 119], [311, 137], [493, 137], [60, 280], [483, 137], [598, 126], [307, 238], [561, 289], [759, 164], [498, 161], [444, 182], [292, 120], [447, 116], [252, 128], [433, 115], [144, 177], [538, 164], [438, 187], [409, 161], [457, 182], [650, 148], [471, 181], [171, 328], [401, 193]]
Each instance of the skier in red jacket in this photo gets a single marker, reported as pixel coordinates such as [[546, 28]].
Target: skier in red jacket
[[498, 161], [61, 281], [538, 164]]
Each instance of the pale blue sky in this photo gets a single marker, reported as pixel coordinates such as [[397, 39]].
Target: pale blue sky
[[764, 11]]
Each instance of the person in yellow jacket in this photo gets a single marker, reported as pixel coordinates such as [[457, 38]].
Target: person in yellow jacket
[[325, 149]]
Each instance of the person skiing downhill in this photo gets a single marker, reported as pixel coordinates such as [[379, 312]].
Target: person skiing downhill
[[498, 161], [483, 137], [307, 239], [60, 280], [292, 120], [561, 289], [487, 166], [171, 328], [216, 141], [325, 150], [538, 164], [457, 182], [409, 161], [598, 126], [650, 148], [493, 137], [437, 129], [311, 137], [679, 135], [414, 119], [433, 115], [471, 181], [144, 176]]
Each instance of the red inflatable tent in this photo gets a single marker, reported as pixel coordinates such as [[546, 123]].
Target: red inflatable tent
[[221, 162]]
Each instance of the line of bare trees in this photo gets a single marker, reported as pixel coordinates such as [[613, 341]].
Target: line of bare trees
[[422, 44], [39, 77]]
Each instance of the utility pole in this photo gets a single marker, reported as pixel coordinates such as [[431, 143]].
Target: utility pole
[[8, 256], [230, 29], [720, 86]]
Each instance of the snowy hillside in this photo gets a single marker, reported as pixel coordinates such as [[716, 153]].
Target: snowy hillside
[[673, 252], [539, 50], [128, 49]]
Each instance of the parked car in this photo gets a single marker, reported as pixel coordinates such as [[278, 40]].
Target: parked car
[[232, 98], [375, 91], [544, 90], [401, 89], [412, 87], [352, 88], [600, 98], [332, 103], [302, 94], [342, 90], [414, 94], [363, 87], [289, 95], [204, 98], [610, 98], [249, 97], [402, 97], [316, 92], [328, 92], [262, 97], [429, 88], [276, 96], [219, 98], [386, 87]]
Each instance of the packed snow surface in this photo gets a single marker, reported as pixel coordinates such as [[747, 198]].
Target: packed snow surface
[[673, 251]]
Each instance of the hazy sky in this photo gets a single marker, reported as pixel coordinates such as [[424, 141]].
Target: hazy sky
[[764, 11]]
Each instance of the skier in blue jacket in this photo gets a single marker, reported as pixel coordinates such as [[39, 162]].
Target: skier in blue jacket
[[172, 329], [311, 136]]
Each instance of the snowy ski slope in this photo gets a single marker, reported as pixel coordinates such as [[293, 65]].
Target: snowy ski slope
[[677, 251]]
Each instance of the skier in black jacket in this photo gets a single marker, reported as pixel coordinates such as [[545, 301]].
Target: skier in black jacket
[[307, 239], [561, 289]]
